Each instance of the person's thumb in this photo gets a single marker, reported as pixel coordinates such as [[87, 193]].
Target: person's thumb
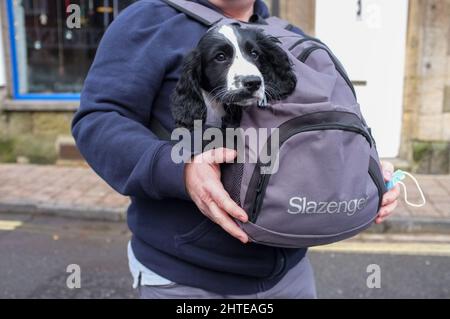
[[219, 155]]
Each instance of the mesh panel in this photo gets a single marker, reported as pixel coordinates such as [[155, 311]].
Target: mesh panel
[[232, 178]]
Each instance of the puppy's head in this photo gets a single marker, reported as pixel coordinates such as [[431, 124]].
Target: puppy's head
[[232, 66]]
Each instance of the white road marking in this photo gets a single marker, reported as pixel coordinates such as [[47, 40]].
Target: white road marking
[[393, 248], [9, 225], [390, 245]]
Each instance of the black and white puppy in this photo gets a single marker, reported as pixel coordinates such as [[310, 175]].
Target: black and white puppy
[[231, 68]]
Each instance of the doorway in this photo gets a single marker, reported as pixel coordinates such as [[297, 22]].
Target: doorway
[[369, 38]]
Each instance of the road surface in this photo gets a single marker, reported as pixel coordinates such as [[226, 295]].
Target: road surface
[[36, 251]]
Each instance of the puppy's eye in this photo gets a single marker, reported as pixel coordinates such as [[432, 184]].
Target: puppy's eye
[[220, 57], [254, 54]]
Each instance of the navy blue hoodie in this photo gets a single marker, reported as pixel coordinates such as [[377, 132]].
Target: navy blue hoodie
[[132, 77]]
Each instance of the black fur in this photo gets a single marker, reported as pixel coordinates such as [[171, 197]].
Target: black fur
[[187, 100], [201, 71], [276, 67]]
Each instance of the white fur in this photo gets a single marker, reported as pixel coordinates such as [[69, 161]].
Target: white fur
[[214, 110], [240, 67]]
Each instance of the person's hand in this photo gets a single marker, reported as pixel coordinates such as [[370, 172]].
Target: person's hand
[[202, 178], [390, 199]]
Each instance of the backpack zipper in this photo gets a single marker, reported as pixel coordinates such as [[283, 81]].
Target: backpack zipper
[[307, 52], [263, 180], [297, 43], [304, 56]]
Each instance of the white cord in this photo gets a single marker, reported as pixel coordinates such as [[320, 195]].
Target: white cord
[[424, 201]]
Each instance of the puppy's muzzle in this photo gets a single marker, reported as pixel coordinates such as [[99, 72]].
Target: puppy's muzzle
[[252, 83]]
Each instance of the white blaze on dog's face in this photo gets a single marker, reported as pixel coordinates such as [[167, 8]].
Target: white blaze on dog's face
[[231, 66], [242, 74]]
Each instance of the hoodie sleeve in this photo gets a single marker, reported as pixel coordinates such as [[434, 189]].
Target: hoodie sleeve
[[116, 102]]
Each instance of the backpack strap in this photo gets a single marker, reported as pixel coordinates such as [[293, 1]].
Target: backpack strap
[[378, 179], [196, 11], [209, 17], [278, 22]]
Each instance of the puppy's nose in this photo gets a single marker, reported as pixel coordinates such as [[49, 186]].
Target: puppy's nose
[[252, 83]]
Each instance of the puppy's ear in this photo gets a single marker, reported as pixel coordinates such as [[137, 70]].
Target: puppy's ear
[[187, 100], [277, 68]]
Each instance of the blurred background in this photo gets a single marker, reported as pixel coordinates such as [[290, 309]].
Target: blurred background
[[397, 54]]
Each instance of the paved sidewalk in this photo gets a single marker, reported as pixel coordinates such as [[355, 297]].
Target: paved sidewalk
[[79, 192], [68, 191]]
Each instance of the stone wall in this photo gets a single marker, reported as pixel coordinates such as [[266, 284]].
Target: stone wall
[[426, 117], [32, 136], [301, 13]]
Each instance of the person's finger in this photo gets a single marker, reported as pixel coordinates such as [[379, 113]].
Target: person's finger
[[388, 170], [224, 201], [386, 211], [391, 195], [218, 216], [203, 208], [222, 219], [218, 156]]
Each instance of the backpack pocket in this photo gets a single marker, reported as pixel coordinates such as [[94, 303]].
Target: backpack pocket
[[321, 189], [308, 52]]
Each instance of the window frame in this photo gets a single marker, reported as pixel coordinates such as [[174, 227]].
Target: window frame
[[14, 68]]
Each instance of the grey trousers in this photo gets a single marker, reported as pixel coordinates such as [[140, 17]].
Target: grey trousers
[[298, 283]]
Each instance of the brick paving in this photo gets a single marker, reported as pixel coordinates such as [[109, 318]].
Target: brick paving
[[80, 192], [74, 191]]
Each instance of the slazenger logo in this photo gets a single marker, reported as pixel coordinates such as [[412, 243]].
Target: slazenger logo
[[300, 205]]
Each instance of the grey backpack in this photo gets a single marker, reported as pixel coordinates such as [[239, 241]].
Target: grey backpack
[[328, 185]]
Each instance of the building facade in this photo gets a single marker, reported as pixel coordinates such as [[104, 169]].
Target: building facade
[[397, 55], [46, 58]]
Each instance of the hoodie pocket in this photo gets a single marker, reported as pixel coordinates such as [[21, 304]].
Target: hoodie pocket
[[209, 246], [195, 234]]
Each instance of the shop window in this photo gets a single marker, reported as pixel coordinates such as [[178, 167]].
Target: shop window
[[50, 58]]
